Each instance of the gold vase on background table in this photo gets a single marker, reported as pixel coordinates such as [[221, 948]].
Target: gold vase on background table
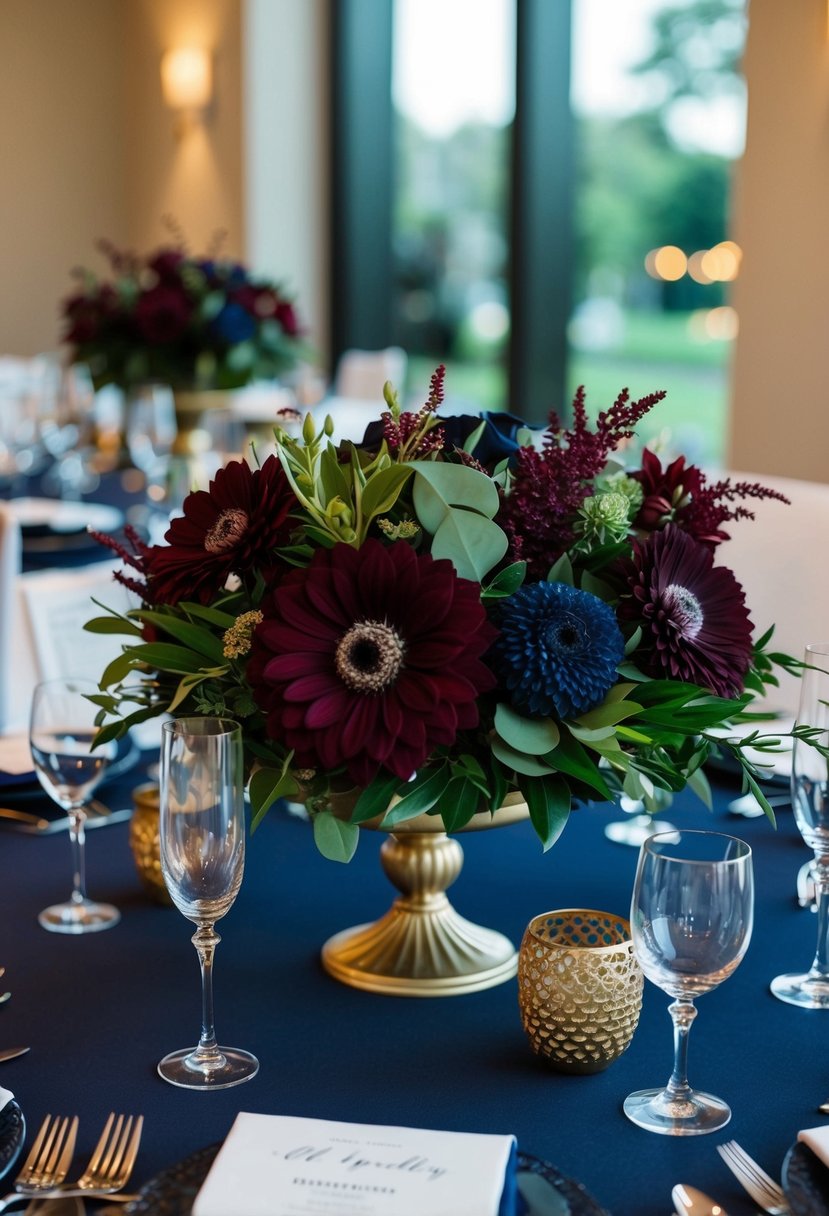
[[188, 467], [422, 946]]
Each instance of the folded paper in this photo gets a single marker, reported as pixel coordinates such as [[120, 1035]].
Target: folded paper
[[352, 1169]]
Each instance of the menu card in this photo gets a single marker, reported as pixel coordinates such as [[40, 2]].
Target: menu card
[[276, 1165]]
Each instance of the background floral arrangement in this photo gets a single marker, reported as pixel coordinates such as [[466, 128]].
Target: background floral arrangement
[[446, 613], [171, 317]]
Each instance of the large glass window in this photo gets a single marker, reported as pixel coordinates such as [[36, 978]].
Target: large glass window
[[453, 88], [659, 104]]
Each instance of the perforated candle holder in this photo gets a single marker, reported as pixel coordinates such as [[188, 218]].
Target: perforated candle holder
[[579, 988]]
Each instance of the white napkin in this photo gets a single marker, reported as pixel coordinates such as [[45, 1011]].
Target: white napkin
[[9, 570], [6, 1096], [817, 1139], [298, 1166]]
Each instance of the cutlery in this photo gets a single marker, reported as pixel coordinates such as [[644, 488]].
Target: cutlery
[[754, 1179], [688, 1201], [806, 896], [23, 821], [109, 1167], [824, 1108], [11, 1053]]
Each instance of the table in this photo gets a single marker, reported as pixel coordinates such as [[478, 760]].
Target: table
[[100, 1011]]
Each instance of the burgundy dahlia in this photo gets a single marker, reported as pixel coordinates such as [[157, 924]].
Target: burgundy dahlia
[[370, 658], [231, 528], [162, 314], [695, 624], [666, 491]]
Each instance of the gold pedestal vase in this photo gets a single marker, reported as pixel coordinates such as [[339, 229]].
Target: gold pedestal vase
[[422, 946], [188, 469]]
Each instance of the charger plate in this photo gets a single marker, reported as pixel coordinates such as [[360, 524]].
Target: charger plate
[[12, 1135], [806, 1182], [542, 1190]]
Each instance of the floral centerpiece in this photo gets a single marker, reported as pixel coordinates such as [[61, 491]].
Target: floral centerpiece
[[171, 317], [447, 613]]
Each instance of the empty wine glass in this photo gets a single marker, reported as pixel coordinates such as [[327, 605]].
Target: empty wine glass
[[62, 731], [202, 859], [691, 918], [810, 803]]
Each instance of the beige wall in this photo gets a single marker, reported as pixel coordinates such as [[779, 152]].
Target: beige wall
[[780, 413], [195, 178], [62, 166], [286, 141]]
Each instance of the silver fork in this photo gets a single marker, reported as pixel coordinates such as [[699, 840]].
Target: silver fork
[[754, 1180], [48, 1161]]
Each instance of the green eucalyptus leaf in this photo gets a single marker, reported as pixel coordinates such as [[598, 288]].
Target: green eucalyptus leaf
[[440, 487], [506, 582], [535, 736], [562, 571], [383, 489], [549, 801], [112, 624], [193, 636], [420, 796], [335, 839], [471, 542], [375, 798], [608, 714], [267, 786], [596, 586], [459, 802], [518, 762]]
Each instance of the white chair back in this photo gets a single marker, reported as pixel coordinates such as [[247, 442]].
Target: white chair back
[[779, 558], [361, 374]]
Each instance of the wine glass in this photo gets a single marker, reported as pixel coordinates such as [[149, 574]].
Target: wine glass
[[62, 732], [202, 860], [691, 919], [810, 803]]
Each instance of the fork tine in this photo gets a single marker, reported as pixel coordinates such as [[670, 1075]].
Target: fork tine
[[119, 1143], [68, 1150], [132, 1147], [34, 1153], [756, 1170], [770, 1198], [101, 1146]]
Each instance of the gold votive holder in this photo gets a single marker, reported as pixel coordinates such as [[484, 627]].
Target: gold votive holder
[[145, 842], [579, 988]]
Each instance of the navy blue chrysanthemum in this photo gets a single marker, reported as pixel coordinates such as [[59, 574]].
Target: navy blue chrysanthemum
[[558, 649]]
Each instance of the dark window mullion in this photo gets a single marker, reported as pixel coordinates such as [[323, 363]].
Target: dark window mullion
[[361, 139], [542, 209]]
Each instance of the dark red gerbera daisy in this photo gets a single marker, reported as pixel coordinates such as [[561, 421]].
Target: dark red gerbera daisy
[[371, 658], [231, 528], [695, 624]]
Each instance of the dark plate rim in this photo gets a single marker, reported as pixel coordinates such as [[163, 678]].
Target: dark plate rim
[[12, 1138], [800, 1154]]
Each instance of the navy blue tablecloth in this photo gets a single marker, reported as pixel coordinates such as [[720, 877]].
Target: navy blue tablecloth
[[99, 1011]]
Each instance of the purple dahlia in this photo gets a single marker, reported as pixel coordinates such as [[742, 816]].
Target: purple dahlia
[[693, 614], [370, 658], [231, 528]]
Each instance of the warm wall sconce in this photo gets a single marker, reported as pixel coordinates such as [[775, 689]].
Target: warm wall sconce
[[187, 83]]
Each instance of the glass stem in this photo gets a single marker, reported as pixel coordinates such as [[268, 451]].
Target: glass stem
[[682, 1014], [820, 967], [207, 1054], [77, 838]]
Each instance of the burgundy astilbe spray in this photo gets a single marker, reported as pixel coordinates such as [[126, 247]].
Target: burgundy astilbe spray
[[136, 557], [550, 485], [412, 436]]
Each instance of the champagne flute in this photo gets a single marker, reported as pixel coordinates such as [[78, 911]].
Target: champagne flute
[[202, 860], [691, 919], [810, 803], [62, 732]]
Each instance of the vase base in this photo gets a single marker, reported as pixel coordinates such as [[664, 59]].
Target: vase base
[[409, 955]]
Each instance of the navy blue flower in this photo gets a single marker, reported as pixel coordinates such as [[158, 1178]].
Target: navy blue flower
[[558, 649], [233, 324]]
